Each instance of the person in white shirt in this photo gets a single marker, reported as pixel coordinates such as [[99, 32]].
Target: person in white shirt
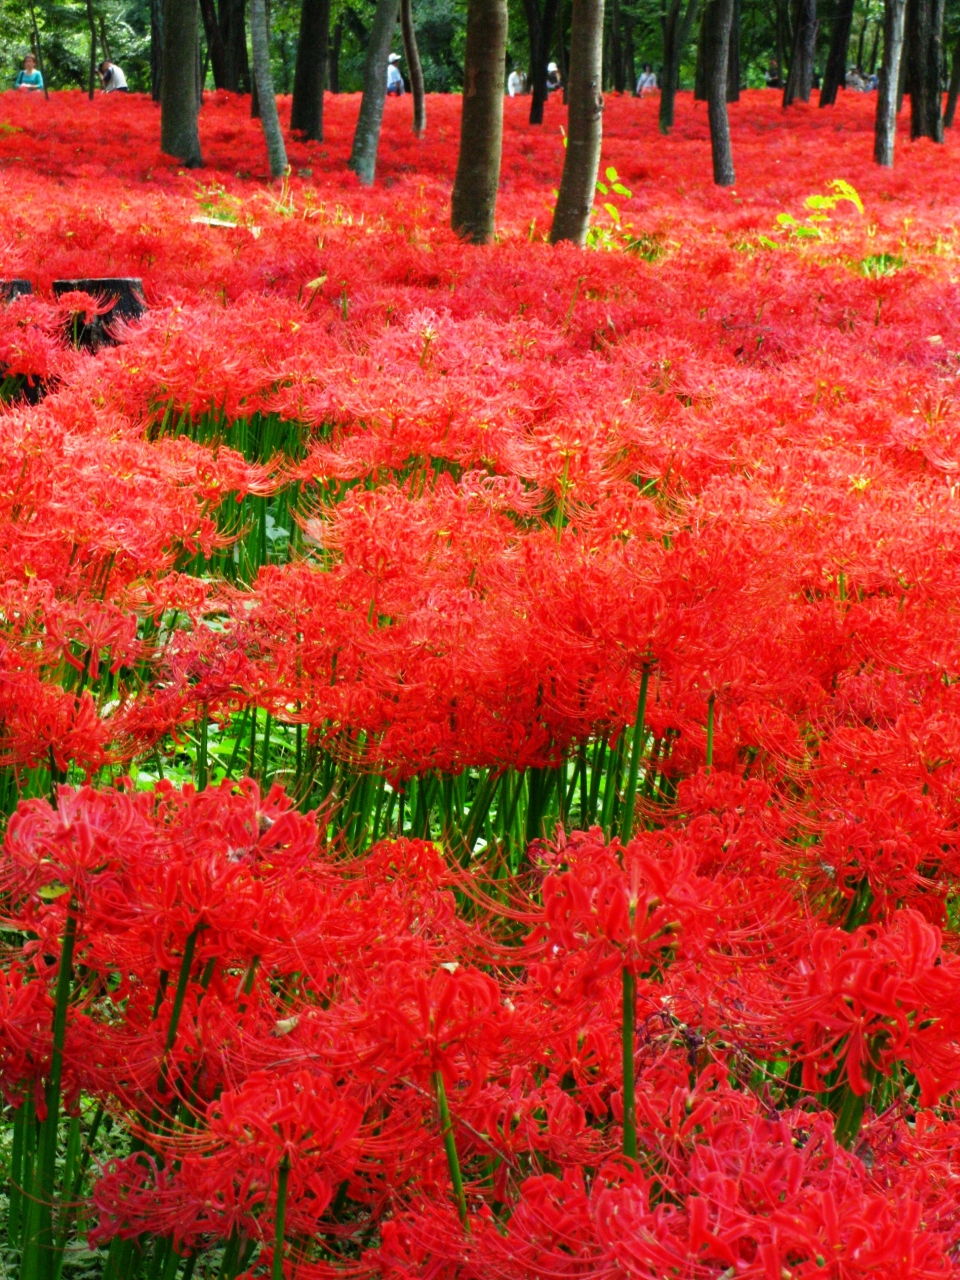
[[394, 78], [647, 82], [515, 84], [112, 79]]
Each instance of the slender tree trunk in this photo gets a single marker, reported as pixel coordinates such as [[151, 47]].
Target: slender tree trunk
[[629, 66], [617, 39], [835, 72], [733, 59], [306, 111], [92, 74], [215, 49], [924, 48], [233, 33], [676, 36], [872, 66], [366, 139], [886, 126], [335, 43], [715, 41], [156, 49], [412, 54], [800, 78], [540, 27], [481, 125], [38, 52], [179, 102], [263, 78], [864, 25], [563, 60], [103, 38], [571, 218], [954, 91]]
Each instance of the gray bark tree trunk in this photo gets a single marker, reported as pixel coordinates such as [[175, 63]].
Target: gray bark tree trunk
[[835, 72], [733, 57], [309, 76], [366, 139], [924, 48], [412, 55], [676, 37], [179, 100], [474, 200], [571, 218], [92, 70], [715, 38], [260, 40], [800, 77], [886, 126]]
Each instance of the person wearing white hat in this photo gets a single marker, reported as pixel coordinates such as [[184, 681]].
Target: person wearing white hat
[[394, 78], [553, 77]]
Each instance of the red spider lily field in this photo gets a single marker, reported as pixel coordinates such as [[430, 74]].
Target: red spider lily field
[[480, 727]]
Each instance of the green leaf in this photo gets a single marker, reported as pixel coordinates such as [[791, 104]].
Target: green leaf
[[604, 190]]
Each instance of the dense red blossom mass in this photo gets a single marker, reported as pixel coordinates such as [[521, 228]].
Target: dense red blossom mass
[[451, 515]]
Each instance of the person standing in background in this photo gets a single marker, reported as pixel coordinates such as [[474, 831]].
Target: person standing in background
[[647, 82], [394, 78], [29, 79]]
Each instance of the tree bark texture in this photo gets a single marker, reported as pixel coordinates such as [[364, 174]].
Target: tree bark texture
[[578, 185], [923, 38], [233, 33], [954, 91], [800, 77], [260, 40], [92, 70], [835, 72], [886, 125], [179, 101], [733, 58], [156, 48], [676, 36], [306, 111], [617, 36], [474, 200], [715, 42], [366, 139], [540, 30], [215, 49], [414, 69]]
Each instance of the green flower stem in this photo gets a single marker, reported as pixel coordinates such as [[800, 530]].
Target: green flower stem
[[629, 1073], [450, 1144]]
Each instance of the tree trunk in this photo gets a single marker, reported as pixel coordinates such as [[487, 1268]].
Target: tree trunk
[[263, 78], [156, 48], [924, 48], [676, 36], [800, 78], [412, 54], [179, 102], [233, 33], [954, 91], [215, 49], [563, 60], [366, 139], [835, 72], [92, 73], [629, 65], [733, 58], [715, 42], [38, 52], [617, 34], [306, 111], [571, 218], [481, 125], [540, 28], [335, 43], [886, 126]]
